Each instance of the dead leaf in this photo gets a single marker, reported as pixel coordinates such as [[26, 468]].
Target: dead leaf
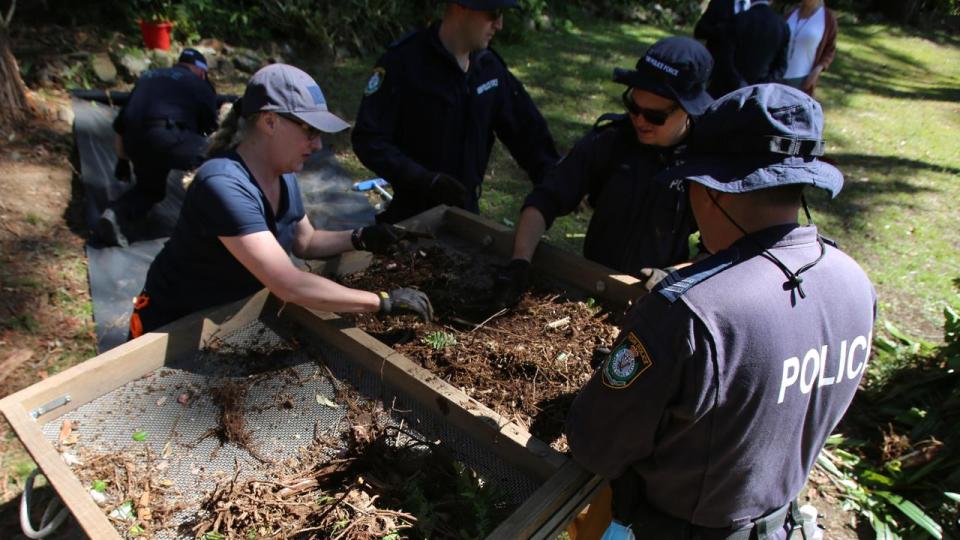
[[325, 401], [183, 398], [161, 401], [66, 428], [13, 361]]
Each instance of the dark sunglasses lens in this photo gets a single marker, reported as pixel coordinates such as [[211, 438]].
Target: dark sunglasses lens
[[657, 118], [495, 14]]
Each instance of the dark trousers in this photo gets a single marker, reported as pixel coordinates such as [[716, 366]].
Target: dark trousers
[[154, 153]]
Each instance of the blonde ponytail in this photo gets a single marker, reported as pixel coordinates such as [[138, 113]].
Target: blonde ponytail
[[230, 134]]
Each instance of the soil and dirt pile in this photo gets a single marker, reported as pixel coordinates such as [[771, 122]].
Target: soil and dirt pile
[[526, 363]]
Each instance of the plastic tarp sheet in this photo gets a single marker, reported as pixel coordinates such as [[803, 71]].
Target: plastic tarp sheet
[[117, 274]]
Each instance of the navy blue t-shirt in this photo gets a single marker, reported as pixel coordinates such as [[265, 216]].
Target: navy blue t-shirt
[[194, 270]]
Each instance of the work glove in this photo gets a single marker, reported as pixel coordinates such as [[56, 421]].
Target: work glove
[[599, 355], [381, 238], [406, 300], [510, 283], [649, 277], [122, 170], [445, 189]]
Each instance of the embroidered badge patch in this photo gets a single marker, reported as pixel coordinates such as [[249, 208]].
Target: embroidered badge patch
[[376, 80], [626, 363]]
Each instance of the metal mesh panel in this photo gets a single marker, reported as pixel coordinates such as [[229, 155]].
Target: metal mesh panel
[[282, 411]]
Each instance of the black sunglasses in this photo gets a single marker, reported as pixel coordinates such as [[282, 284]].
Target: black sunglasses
[[657, 117], [311, 132], [494, 14]]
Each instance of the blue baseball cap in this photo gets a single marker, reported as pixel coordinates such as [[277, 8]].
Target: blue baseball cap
[[193, 57], [757, 137], [676, 68], [289, 90], [485, 5]]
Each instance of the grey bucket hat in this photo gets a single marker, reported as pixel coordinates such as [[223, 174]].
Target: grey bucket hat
[[757, 137], [289, 90]]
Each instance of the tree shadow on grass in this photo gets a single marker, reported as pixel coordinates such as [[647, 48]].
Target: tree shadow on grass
[[862, 198], [878, 69]]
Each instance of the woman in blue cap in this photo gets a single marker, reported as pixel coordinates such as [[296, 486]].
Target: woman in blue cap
[[243, 216], [637, 226]]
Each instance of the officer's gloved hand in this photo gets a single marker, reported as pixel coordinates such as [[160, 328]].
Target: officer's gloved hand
[[381, 238], [122, 170], [445, 189], [406, 300], [510, 283], [649, 277]]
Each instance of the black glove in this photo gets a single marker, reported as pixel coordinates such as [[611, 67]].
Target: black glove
[[599, 355], [381, 238], [510, 283], [649, 277], [445, 189], [406, 300], [122, 170]]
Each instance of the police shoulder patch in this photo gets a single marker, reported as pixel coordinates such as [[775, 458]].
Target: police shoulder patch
[[375, 81], [626, 363]]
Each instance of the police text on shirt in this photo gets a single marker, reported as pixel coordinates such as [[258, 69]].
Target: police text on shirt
[[812, 369]]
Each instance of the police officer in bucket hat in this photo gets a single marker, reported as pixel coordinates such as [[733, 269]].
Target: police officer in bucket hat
[[725, 382], [638, 226]]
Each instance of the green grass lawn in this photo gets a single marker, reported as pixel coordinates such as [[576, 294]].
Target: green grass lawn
[[892, 105]]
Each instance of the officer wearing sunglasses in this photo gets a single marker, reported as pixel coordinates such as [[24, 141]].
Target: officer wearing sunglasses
[[638, 226], [431, 109]]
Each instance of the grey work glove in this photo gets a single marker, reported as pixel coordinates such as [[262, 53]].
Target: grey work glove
[[445, 189], [510, 283], [649, 277], [406, 300], [381, 238]]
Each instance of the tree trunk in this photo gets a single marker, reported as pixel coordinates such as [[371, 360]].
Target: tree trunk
[[14, 106]]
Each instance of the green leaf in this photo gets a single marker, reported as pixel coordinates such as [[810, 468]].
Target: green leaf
[[913, 512], [99, 486], [213, 536], [140, 436], [876, 478], [882, 529], [440, 340], [955, 497], [135, 530]]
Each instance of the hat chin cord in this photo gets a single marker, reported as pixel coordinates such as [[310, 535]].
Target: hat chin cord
[[794, 281]]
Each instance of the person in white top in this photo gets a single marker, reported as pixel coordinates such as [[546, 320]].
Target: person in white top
[[812, 47]]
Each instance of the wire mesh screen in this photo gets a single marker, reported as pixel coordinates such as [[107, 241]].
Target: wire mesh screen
[[172, 415]]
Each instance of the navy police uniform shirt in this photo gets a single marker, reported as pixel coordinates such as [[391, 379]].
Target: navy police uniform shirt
[[194, 270], [422, 115], [723, 386], [637, 222], [173, 94]]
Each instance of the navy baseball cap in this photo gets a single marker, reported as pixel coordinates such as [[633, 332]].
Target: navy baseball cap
[[757, 137], [193, 57], [285, 89], [676, 68], [485, 5]]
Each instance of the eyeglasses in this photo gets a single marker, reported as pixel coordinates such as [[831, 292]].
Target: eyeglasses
[[657, 117], [494, 14], [311, 132]]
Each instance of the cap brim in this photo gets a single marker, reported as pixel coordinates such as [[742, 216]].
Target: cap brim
[[694, 104], [323, 120], [742, 174]]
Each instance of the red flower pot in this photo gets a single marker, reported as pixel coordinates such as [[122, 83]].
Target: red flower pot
[[156, 35]]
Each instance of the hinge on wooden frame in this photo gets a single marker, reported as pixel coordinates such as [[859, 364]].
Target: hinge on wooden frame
[[50, 405]]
